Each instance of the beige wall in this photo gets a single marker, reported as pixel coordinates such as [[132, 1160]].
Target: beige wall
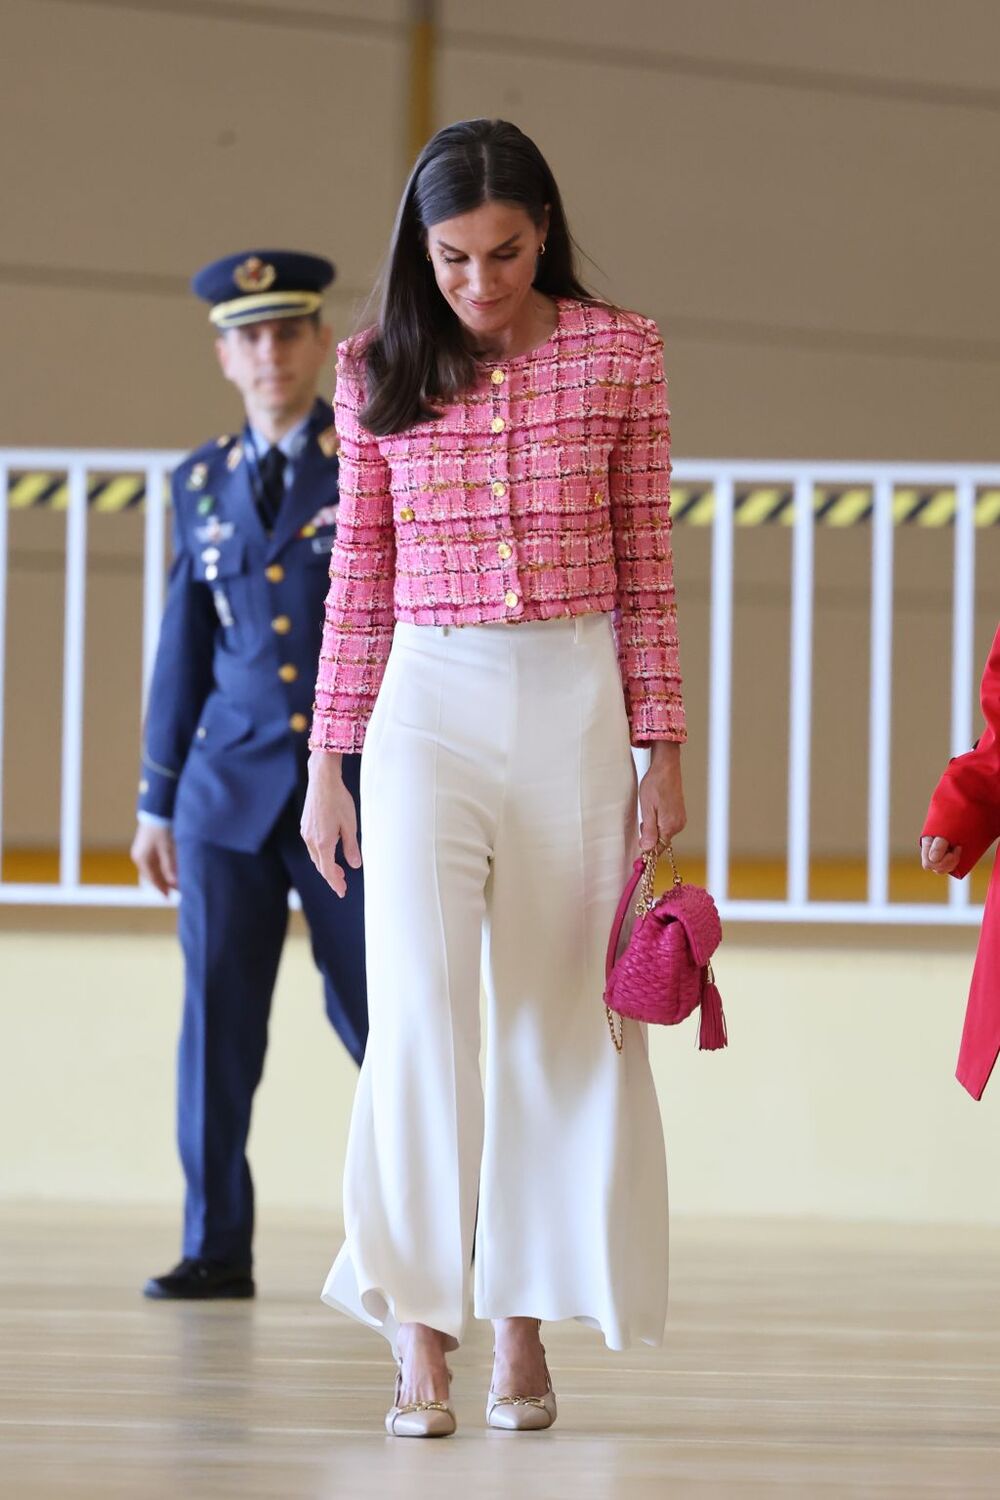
[[802, 193], [836, 1097]]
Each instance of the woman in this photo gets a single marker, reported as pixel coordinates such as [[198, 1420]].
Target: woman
[[501, 611], [963, 820]]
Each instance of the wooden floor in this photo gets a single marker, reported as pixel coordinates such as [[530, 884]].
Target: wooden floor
[[801, 1360]]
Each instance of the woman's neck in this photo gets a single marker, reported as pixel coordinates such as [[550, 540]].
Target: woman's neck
[[535, 321]]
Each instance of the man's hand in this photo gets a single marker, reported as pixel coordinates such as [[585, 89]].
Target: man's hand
[[329, 819], [938, 855], [154, 855]]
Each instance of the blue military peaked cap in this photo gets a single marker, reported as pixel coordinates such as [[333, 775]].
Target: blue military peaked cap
[[260, 284]]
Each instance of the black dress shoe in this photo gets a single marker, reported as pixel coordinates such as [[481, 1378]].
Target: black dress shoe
[[201, 1280]]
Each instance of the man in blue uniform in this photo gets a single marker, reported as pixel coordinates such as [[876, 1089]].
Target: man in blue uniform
[[224, 751]]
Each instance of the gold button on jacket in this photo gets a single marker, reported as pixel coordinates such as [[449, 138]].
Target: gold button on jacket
[[281, 625], [275, 573], [510, 599], [505, 550], [499, 488], [498, 377], [299, 723], [289, 672], [498, 424]]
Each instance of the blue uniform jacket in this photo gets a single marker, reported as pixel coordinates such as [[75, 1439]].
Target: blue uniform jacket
[[225, 741]]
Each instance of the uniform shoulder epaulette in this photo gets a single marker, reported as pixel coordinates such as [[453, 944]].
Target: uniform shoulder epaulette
[[209, 450], [329, 442]]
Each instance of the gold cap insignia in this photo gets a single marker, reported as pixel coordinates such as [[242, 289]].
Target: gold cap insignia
[[254, 275], [197, 477], [233, 457], [328, 441]]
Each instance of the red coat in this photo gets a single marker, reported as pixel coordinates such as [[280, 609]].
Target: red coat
[[965, 809]]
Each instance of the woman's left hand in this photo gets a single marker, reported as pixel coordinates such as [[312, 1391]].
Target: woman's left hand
[[661, 796]]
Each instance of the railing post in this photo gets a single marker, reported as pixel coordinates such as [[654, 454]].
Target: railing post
[[4, 535], [963, 618], [153, 564], [720, 689], [880, 695], [73, 670], [800, 693]]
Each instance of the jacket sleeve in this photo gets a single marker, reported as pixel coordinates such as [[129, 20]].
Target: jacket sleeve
[[359, 616], [965, 807], [181, 681], [639, 480]]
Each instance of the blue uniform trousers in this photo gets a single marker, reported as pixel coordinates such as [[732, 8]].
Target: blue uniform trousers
[[232, 925]]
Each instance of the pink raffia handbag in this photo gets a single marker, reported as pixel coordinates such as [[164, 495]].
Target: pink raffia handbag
[[665, 970]]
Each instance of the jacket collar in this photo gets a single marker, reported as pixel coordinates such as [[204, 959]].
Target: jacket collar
[[314, 480]]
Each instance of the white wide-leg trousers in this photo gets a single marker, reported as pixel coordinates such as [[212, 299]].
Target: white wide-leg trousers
[[498, 795]]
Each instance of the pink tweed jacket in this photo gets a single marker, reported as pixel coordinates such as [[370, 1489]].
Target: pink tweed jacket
[[542, 492]]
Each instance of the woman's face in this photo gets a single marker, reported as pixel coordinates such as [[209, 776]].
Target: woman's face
[[484, 263]]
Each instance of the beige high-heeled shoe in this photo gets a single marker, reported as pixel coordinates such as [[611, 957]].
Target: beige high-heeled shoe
[[522, 1413], [418, 1419]]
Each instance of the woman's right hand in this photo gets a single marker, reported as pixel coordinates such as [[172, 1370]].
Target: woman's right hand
[[328, 819], [938, 855]]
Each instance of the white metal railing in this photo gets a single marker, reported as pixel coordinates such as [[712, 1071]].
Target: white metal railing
[[77, 465], [804, 479], [722, 477]]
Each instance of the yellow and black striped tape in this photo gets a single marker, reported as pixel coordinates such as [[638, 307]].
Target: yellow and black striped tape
[[50, 491], [774, 505], [693, 504]]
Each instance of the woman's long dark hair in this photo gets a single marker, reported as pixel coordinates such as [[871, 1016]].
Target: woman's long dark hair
[[417, 358]]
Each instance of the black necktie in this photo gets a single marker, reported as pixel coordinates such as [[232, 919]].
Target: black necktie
[[272, 484]]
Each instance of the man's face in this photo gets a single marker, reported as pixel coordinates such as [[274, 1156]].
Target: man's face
[[275, 365]]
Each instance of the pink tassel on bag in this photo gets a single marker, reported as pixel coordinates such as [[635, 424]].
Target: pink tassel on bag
[[712, 1035]]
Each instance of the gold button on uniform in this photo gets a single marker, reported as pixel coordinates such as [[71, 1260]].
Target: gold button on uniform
[[498, 424], [308, 531], [275, 573], [505, 550], [407, 513], [510, 599], [498, 377], [281, 625], [299, 723], [499, 488], [289, 672]]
